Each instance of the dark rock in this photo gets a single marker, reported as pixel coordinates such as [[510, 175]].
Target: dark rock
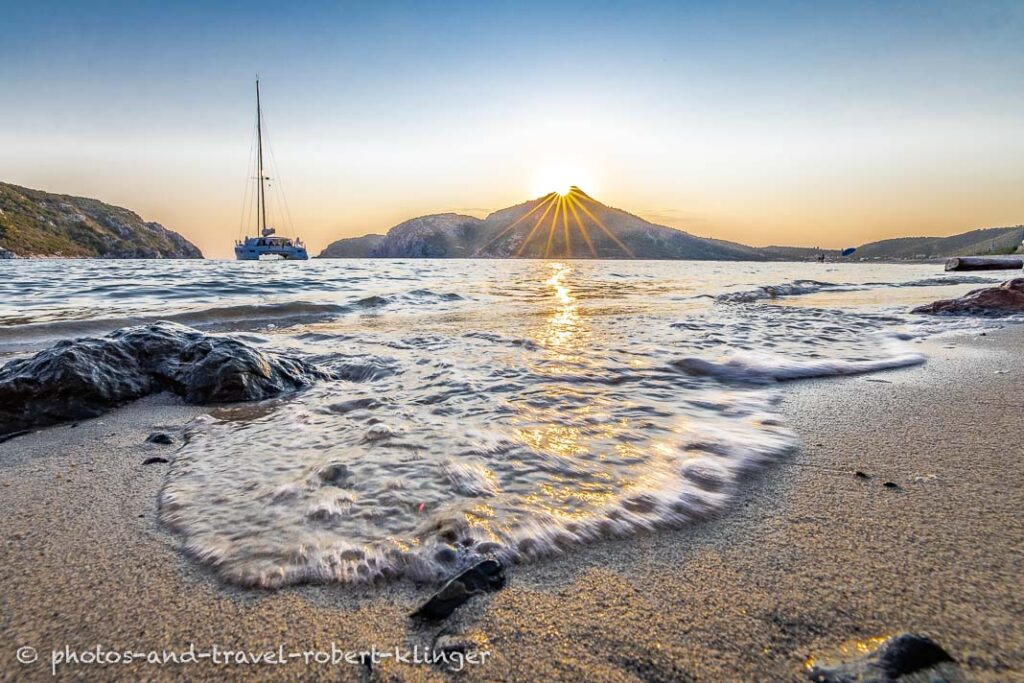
[[86, 377], [155, 460], [862, 475], [903, 655], [1006, 299], [160, 438], [891, 485], [485, 576], [13, 435], [448, 644], [335, 474]]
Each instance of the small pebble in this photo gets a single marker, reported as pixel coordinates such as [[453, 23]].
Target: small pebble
[[160, 438], [378, 432], [862, 475], [891, 485], [156, 460]]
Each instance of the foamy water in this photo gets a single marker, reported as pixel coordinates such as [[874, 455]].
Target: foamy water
[[485, 408]]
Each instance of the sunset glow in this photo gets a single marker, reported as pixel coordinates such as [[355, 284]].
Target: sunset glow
[[786, 124], [560, 180]]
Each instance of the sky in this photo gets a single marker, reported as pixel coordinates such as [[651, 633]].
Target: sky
[[800, 123]]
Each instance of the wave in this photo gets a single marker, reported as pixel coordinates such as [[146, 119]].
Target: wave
[[416, 295], [283, 314], [427, 294], [801, 287], [499, 339], [760, 368], [942, 281], [276, 314], [795, 288]]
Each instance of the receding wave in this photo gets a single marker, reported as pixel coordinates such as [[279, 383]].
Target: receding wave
[[759, 368], [432, 461], [802, 287]]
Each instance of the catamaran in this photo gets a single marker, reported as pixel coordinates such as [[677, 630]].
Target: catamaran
[[267, 244]]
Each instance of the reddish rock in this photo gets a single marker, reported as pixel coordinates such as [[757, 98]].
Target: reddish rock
[[1006, 299]]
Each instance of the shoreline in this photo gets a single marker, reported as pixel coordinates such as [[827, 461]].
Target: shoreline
[[807, 559]]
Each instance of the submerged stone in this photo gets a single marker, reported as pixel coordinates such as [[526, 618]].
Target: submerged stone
[[1006, 299], [160, 438], [83, 378], [485, 576], [907, 654]]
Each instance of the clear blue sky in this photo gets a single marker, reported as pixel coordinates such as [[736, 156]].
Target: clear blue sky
[[764, 122]]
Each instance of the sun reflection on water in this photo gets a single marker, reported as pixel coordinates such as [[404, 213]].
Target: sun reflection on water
[[564, 331]]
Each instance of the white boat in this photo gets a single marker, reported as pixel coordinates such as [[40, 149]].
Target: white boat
[[269, 247], [267, 244]]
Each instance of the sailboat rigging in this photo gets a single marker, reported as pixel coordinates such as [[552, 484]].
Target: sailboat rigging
[[266, 244]]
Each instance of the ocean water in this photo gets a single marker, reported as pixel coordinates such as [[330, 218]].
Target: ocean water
[[516, 409]]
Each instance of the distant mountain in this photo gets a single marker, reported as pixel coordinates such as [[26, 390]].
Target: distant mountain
[[798, 253], [570, 226], [445, 235], [36, 223], [352, 247], [973, 243]]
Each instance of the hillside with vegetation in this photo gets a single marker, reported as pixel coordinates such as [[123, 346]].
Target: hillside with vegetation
[[974, 243], [37, 223]]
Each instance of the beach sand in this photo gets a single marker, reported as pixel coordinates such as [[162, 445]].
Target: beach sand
[[810, 562]]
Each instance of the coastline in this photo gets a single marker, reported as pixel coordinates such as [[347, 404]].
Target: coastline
[[809, 557]]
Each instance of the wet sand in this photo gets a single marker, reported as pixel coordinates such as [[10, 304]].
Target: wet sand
[[810, 560]]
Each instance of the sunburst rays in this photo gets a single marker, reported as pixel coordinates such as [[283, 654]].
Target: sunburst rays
[[560, 206], [600, 224], [547, 200], [537, 225]]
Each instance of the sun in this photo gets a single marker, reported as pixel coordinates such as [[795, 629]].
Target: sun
[[560, 180]]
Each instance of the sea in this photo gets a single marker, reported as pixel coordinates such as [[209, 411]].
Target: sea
[[515, 409]]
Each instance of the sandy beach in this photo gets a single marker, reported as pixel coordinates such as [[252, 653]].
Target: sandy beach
[[811, 563]]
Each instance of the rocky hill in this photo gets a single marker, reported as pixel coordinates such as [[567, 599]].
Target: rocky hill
[[352, 247], [570, 226], [36, 223], [973, 243], [445, 235]]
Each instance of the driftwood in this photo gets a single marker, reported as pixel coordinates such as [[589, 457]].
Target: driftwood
[[985, 263]]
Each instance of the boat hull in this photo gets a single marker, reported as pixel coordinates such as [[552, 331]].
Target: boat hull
[[246, 252]]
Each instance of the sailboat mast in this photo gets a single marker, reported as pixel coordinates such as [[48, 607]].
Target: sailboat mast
[[262, 218]]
